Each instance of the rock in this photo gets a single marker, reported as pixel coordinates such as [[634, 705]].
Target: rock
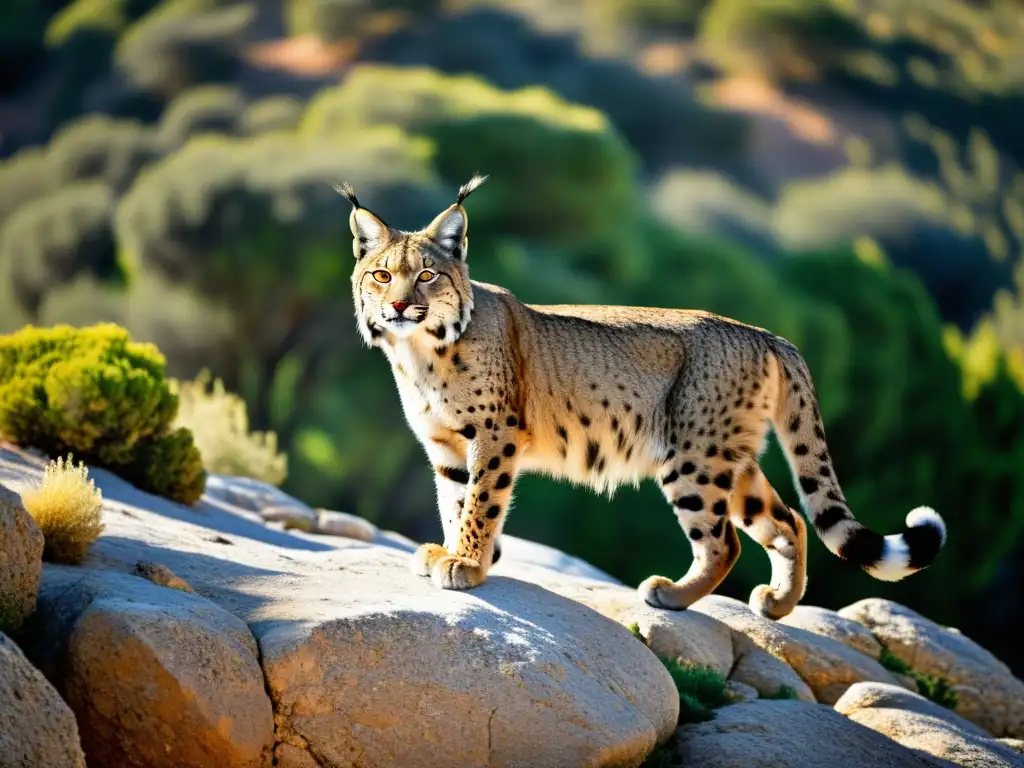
[[161, 575], [367, 662], [740, 693], [683, 635], [516, 551], [783, 734], [767, 675], [300, 518], [248, 494], [344, 524], [922, 725], [396, 672], [1017, 745], [21, 561], [37, 728], [156, 677], [828, 666], [988, 694], [822, 621]]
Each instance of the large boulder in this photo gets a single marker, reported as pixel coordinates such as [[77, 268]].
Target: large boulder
[[767, 675], [367, 663], [21, 561], [823, 621], [923, 725], [36, 727], [783, 734], [987, 692], [156, 676], [828, 666]]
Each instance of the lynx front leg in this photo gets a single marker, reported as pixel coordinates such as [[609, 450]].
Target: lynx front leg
[[451, 476], [492, 469]]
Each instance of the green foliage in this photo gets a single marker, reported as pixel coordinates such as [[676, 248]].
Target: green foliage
[[333, 20], [933, 687], [49, 242], [95, 392], [634, 628], [784, 692], [219, 422], [169, 465], [273, 113], [211, 109], [701, 689], [182, 44]]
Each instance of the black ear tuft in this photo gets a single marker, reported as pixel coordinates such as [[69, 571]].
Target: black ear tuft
[[346, 191], [468, 188]]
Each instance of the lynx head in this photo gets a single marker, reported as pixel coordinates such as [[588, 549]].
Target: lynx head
[[410, 283]]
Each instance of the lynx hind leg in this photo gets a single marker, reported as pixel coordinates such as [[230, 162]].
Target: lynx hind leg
[[758, 511], [698, 488]]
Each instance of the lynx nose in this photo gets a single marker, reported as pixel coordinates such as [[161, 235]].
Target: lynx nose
[[399, 306]]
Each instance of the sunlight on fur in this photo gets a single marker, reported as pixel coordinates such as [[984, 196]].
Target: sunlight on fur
[[67, 508]]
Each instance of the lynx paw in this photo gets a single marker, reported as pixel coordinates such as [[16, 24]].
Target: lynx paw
[[454, 572], [425, 557], [763, 602], [659, 592]]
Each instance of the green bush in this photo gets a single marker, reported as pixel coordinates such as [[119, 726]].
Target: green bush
[[216, 109], [96, 393], [49, 242]]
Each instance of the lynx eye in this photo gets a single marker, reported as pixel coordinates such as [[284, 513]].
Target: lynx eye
[[426, 276], [382, 276]]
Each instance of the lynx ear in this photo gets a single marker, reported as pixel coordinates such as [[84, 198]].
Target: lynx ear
[[448, 230], [369, 231]]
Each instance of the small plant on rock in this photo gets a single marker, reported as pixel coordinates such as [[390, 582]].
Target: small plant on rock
[[933, 687], [220, 424], [67, 508], [783, 693], [95, 392]]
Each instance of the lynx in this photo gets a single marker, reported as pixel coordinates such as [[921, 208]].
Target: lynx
[[604, 396]]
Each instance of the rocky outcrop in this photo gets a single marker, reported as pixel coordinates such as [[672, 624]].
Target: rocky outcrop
[[36, 727], [208, 636], [922, 725], [828, 666], [155, 676], [987, 692], [783, 734], [21, 561]]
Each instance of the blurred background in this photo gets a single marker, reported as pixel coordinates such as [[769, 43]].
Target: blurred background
[[846, 173]]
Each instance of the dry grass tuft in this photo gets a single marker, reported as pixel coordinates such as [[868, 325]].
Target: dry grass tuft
[[220, 426], [66, 506]]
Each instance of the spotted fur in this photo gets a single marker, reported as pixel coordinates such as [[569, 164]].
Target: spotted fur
[[604, 396]]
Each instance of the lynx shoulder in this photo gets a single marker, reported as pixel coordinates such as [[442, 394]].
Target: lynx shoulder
[[604, 396]]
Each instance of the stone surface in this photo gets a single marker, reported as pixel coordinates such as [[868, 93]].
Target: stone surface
[[156, 677], [21, 561], [247, 493], [1017, 745], [823, 621], [291, 517], [766, 674], [988, 694], [923, 725], [828, 666], [368, 663], [161, 575], [787, 734], [37, 728], [740, 693], [343, 524], [516, 552]]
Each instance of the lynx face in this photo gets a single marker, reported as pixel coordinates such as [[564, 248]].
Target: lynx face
[[410, 285], [407, 283]]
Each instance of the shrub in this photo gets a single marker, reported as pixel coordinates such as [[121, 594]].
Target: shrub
[[204, 109], [169, 51], [67, 508], [273, 113], [931, 687], [219, 422], [51, 241], [784, 692], [94, 392]]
